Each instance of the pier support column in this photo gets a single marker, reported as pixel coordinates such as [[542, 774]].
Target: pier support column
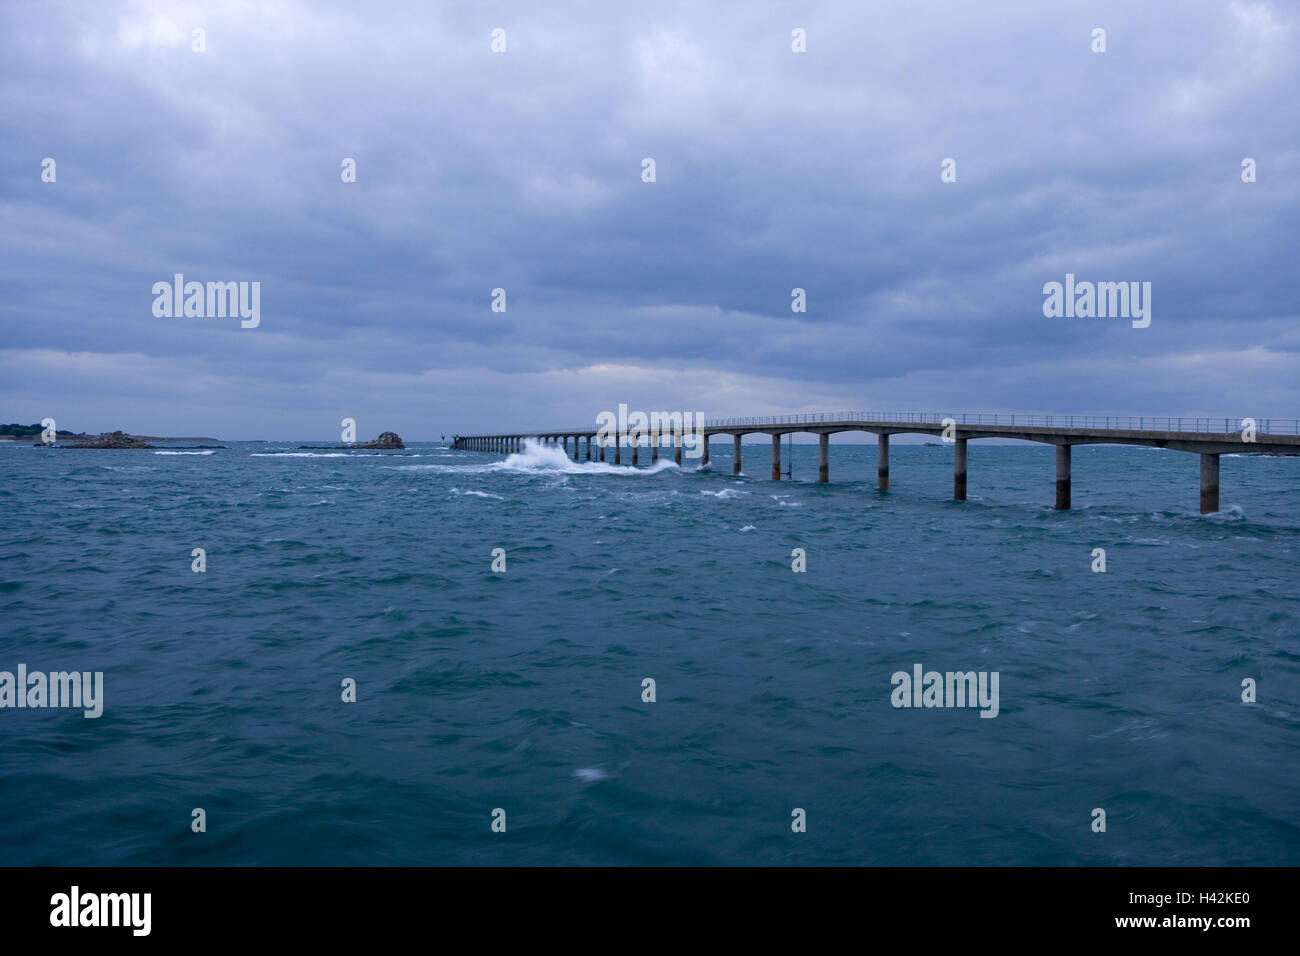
[[636, 451], [654, 446], [602, 446], [823, 458], [588, 448], [1209, 484], [882, 462], [735, 454], [959, 470], [618, 450], [776, 457], [577, 449], [704, 455], [677, 448], [1062, 477]]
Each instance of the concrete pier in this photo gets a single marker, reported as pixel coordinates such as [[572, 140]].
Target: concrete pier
[[654, 448], [636, 451], [1209, 484], [959, 470], [1209, 438], [1062, 477]]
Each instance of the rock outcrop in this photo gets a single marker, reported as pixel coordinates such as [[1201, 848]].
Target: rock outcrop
[[385, 440], [113, 440]]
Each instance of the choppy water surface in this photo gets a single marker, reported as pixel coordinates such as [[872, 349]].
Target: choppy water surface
[[523, 690]]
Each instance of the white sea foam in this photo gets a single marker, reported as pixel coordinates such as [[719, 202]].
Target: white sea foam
[[725, 493], [298, 454], [536, 458], [590, 774], [477, 494], [205, 452]]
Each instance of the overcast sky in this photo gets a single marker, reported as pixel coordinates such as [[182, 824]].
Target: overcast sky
[[522, 170]]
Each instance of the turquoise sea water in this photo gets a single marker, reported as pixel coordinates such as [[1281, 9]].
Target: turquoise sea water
[[522, 690]]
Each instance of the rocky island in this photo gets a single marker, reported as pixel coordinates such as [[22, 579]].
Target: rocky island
[[113, 440], [386, 441]]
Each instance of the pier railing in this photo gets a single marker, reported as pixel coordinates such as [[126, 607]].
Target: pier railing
[[1160, 423]]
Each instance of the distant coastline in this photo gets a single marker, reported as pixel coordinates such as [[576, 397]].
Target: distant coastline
[[28, 433]]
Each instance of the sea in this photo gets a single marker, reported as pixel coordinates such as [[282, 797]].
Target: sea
[[440, 657]]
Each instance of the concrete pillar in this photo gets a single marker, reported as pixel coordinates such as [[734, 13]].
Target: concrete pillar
[[704, 456], [654, 446], [1062, 477], [618, 452], [823, 458], [882, 462], [677, 448], [959, 470], [735, 454], [1209, 484], [588, 448], [776, 457], [602, 448], [577, 451], [636, 451]]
